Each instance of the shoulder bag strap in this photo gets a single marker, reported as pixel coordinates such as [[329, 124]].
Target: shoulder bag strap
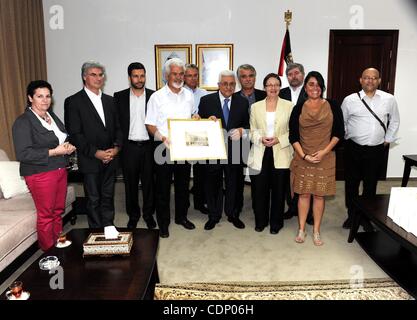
[[373, 113]]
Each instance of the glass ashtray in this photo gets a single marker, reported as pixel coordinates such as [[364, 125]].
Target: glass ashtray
[[49, 263]]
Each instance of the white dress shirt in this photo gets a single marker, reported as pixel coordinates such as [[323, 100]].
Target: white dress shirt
[[362, 127], [165, 104], [98, 104], [295, 93], [197, 93], [270, 124], [137, 128]]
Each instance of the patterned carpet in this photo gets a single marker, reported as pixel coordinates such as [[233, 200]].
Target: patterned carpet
[[371, 289]]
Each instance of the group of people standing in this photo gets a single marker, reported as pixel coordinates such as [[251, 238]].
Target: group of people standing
[[292, 132]]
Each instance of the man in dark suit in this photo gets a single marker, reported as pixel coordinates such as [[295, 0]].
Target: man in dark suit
[[93, 126], [296, 94], [233, 110], [137, 152], [246, 75]]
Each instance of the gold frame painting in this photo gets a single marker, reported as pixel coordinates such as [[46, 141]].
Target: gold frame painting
[[196, 140], [211, 60], [164, 52]]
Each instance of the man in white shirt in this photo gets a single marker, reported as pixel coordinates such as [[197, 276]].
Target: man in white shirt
[[137, 153], [367, 135], [191, 83], [170, 102], [93, 127]]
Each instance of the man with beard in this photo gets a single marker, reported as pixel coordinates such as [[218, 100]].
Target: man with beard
[[170, 102], [137, 153], [296, 94]]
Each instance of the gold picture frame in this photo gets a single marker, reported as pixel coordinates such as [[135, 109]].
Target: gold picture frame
[[164, 52], [211, 59], [196, 140]]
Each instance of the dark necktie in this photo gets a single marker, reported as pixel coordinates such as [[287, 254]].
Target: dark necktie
[[226, 110]]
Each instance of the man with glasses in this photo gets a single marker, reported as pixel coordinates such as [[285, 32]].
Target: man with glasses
[[371, 123], [246, 75], [233, 111], [191, 83], [93, 127]]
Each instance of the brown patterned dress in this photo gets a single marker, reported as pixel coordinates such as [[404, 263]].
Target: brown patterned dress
[[315, 134]]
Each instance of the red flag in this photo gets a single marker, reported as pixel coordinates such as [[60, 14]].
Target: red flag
[[286, 54]]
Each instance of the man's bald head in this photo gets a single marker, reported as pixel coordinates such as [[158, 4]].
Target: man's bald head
[[370, 81]]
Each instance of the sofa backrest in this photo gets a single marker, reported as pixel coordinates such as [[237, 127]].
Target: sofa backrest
[[3, 157]]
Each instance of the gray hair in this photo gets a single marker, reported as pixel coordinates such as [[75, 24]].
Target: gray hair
[[245, 67], [173, 62], [226, 73], [294, 66], [91, 64], [191, 66]]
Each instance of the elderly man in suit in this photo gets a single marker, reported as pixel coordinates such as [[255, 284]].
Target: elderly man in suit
[[137, 152], [233, 110], [93, 126], [296, 94]]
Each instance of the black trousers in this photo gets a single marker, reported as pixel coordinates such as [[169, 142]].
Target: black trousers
[[215, 203], [137, 164], [268, 194], [199, 189], [164, 173], [99, 190], [362, 163]]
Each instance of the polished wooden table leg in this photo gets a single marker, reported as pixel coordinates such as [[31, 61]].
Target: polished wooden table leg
[[406, 173]]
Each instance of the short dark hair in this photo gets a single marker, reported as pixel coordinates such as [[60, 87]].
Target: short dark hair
[[320, 80], [135, 66], [36, 84], [272, 75]]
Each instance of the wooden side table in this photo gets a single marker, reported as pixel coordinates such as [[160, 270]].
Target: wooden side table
[[410, 160]]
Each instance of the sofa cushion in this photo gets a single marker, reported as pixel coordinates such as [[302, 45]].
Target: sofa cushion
[[11, 182]]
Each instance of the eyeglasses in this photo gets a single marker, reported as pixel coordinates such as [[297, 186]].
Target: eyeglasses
[[370, 78], [100, 75], [272, 86], [228, 84]]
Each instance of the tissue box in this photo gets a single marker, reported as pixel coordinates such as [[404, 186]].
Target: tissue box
[[97, 245]]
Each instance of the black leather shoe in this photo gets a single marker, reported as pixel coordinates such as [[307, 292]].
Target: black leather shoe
[[203, 209], [259, 229], [210, 224], [164, 233], [187, 224], [289, 214], [150, 223], [132, 224], [347, 224], [236, 222], [274, 231], [310, 219]]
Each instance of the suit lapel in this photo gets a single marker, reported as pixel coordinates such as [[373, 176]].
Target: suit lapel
[[89, 104]]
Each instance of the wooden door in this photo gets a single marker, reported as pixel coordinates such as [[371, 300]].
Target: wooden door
[[350, 52]]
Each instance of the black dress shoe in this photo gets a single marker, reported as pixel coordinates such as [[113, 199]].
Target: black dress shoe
[[259, 229], [289, 214], [150, 223], [347, 224], [210, 224], [203, 209], [187, 224], [236, 222], [274, 230], [132, 224], [164, 233]]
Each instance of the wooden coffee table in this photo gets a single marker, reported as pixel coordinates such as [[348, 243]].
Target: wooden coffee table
[[130, 277], [391, 247]]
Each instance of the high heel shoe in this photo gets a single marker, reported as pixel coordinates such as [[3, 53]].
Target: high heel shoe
[[317, 240], [300, 238]]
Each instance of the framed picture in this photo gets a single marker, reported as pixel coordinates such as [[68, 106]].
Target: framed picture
[[196, 139], [211, 60], [164, 52]]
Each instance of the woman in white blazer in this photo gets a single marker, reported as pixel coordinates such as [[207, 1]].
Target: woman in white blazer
[[270, 156]]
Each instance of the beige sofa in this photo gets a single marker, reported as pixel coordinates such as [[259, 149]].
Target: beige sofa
[[18, 223]]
